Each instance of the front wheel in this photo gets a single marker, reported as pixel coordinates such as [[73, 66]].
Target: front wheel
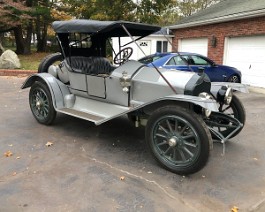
[[178, 139], [235, 110], [41, 105]]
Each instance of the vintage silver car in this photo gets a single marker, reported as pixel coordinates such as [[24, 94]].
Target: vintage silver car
[[181, 111]]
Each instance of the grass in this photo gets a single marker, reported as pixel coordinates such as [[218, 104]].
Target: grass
[[32, 61]]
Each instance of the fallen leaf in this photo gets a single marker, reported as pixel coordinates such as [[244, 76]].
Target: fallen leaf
[[49, 143], [8, 153], [234, 209], [255, 158], [122, 178], [18, 157], [149, 172], [10, 145], [14, 173]]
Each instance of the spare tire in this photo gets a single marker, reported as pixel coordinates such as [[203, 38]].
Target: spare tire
[[48, 61]]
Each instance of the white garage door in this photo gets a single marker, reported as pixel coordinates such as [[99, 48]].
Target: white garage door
[[248, 55], [196, 45]]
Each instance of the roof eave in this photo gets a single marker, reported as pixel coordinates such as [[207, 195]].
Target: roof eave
[[227, 18]]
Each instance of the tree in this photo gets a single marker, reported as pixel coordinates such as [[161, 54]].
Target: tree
[[101, 9], [14, 14], [150, 11], [189, 7]]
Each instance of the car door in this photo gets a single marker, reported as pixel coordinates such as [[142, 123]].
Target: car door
[[197, 63], [176, 62]]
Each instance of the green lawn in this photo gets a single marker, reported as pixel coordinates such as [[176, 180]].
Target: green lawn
[[32, 61]]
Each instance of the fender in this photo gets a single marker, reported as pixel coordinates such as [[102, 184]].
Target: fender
[[209, 104], [57, 89], [215, 86]]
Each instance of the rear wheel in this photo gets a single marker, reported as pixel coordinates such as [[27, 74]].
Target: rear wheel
[[178, 139], [49, 60], [40, 102]]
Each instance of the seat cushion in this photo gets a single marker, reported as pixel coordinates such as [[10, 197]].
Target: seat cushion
[[90, 65]]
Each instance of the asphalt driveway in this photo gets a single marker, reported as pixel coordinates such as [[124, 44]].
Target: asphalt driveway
[[107, 167]]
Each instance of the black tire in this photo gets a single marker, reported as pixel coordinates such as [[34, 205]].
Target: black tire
[[41, 105], [236, 110], [48, 61], [178, 139], [234, 78]]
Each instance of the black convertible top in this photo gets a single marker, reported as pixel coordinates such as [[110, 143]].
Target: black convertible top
[[107, 28]]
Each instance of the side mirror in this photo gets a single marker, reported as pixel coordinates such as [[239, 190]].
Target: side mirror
[[201, 70]]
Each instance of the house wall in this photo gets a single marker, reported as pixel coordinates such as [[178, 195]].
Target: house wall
[[137, 53], [246, 27]]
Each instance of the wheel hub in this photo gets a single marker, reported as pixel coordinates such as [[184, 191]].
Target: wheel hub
[[172, 142], [175, 141], [38, 104]]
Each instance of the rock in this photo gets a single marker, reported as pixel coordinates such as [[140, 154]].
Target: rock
[[9, 60]]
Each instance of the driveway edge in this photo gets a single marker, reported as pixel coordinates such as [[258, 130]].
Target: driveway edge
[[16, 72]]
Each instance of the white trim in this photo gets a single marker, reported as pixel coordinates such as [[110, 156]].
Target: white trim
[[232, 17], [226, 44]]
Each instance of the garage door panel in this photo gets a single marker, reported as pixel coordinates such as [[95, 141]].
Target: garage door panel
[[248, 55], [198, 45]]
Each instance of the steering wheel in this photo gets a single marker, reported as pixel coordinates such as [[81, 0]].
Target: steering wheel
[[123, 55]]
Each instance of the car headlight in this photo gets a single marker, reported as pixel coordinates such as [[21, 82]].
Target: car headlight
[[225, 95], [206, 111]]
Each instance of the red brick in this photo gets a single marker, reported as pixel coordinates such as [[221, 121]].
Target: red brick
[[245, 27]]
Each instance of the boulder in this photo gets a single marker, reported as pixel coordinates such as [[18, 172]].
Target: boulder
[[9, 60]]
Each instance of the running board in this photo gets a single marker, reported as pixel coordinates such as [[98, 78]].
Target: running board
[[93, 110]]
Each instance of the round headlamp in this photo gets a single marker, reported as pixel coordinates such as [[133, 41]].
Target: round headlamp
[[228, 96], [225, 95]]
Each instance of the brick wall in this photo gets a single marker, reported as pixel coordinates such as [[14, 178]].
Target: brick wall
[[246, 27]]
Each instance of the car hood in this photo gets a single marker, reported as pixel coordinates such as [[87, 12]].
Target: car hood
[[229, 68]]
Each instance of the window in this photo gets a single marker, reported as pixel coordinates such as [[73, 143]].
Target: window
[[199, 60], [176, 60], [161, 46], [78, 40], [149, 59]]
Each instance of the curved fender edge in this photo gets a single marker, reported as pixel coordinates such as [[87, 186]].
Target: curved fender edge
[[215, 86], [209, 104], [58, 89]]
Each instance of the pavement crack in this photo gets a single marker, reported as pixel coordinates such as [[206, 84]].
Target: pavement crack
[[146, 180]]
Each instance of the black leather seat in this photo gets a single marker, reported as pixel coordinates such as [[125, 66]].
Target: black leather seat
[[90, 65]]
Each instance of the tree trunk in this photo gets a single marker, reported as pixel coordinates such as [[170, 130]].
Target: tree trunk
[[41, 32], [2, 49], [20, 44], [23, 44]]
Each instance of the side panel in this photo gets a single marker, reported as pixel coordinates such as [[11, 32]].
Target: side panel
[[77, 81], [96, 86], [114, 93]]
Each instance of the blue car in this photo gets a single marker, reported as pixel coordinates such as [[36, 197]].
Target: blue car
[[184, 61]]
